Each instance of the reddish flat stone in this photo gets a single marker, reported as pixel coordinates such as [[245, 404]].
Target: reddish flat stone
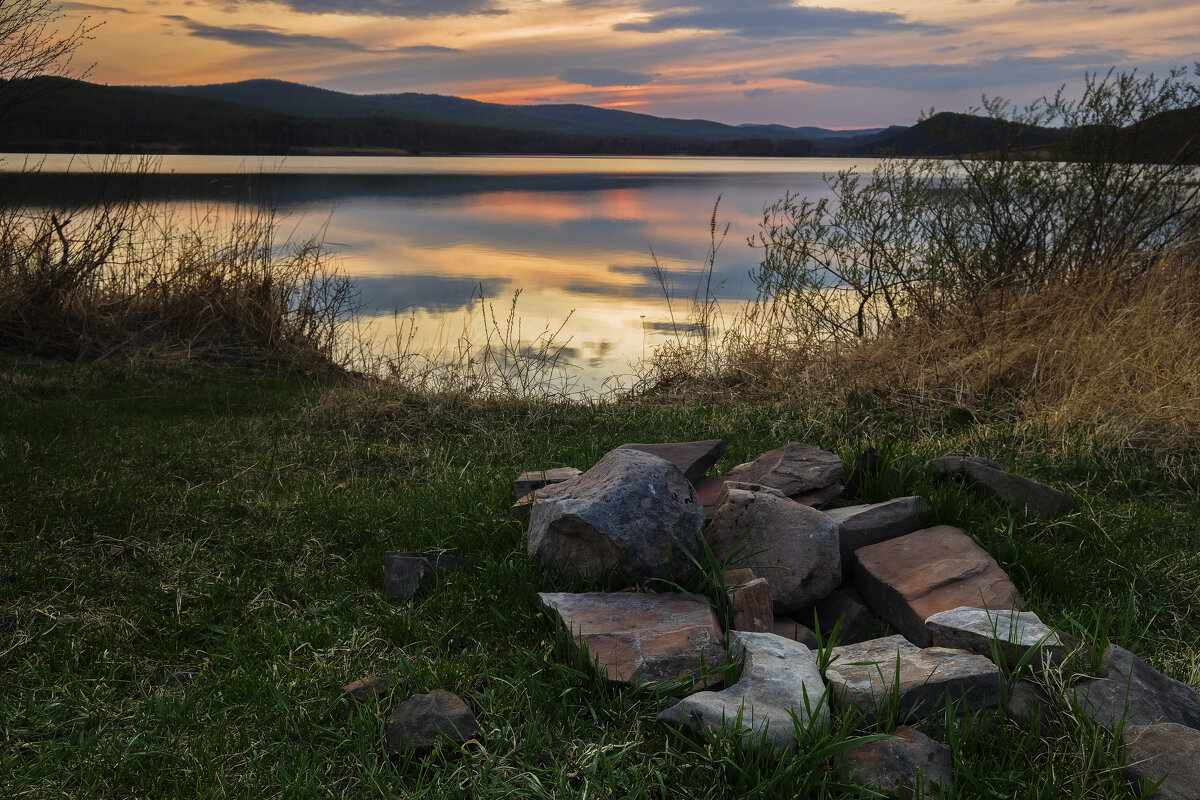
[[753, 606], [693, 459], [909, 579], [651, 639], [794, 469]]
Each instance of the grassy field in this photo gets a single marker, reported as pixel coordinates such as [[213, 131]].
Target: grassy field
[[191, 566]]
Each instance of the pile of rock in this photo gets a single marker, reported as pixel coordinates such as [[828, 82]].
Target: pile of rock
[[940, 608]]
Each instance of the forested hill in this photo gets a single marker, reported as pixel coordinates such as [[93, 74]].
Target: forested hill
[[274, 117]]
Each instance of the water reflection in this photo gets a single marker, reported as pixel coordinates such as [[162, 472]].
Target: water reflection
[[425, 238]]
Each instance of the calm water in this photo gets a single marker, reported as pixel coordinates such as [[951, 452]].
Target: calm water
[[423, 236]]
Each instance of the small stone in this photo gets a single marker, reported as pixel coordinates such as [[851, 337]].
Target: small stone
[[860, 526], [1013, 490], [693, 459], [1014, 633], [646, 639], [1137, 694], [840, 606], [866, 674], [407, 573], [794, 469], [753, 606], [365, 689], [792, 546], [528, 482], [1168, 752], [738, 577], [630, 518], [779, 680], [1027, 703], [788, 628], [908, 579], [420, 722], [907, 766]]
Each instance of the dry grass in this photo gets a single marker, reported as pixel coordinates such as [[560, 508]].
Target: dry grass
[[125, 278], [1117, 357]]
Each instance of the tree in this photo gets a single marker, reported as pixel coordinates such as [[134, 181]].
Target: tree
[[33, 45]]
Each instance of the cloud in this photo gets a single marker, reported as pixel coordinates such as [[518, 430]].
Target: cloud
[[604, 76], [953, 77], [91, 7], [264, 37], [738, 80], [754, 94], [768, 19], [407, 9], [427, 49]]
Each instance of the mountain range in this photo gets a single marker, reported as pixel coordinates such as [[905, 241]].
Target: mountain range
[[262, 117]]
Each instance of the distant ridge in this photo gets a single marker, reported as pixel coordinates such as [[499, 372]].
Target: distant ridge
[[569, 119]]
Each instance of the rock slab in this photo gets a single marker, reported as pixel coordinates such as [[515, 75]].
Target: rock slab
[[531, 481], [860, 526], [1013, 633], [650, 639], [421, 721], [629, 518], [1138, 694], [794, 469], [793, 546], [909, 579], [779, 680], [365, 689], [865, 675], [693, 459], [1168, 752], [753, 606], [405, 574], [1015, 491], [907, 766]]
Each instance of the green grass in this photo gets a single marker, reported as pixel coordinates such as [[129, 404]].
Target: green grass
[[156, 520]]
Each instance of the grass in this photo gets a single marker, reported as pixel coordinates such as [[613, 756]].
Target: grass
[[164, 520]]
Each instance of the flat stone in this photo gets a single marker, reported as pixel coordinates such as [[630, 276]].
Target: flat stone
[[753, 606], [792, 546], [1014, 491], [738, 577], [908, 766], [644, 639], [794, 469], [693, 459], [818, 498], [420, 722], [528, 482], [779, 679], [788, 628], [865, 674], [908, 579], [631, 517], [366, 689], [1014, 633], [1138, 694], [407, 573], [860, 526], [1168, 752]]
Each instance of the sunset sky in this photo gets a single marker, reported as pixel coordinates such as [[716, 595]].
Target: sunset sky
[[858, 63]]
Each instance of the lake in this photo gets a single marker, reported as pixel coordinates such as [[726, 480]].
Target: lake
[[425, 237]]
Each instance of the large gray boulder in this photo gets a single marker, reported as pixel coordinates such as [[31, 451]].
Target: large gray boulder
[[779, 680], [791, 545], [1136, 693], [794, 469], [631, 517]]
